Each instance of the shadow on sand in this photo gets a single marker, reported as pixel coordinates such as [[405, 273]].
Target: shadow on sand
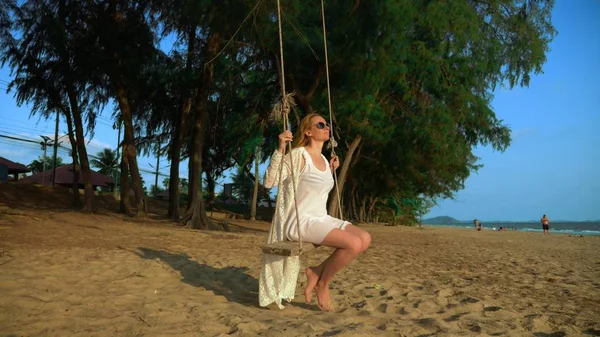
[[231, 282]]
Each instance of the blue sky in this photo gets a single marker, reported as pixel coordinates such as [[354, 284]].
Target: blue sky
[[550, 168]]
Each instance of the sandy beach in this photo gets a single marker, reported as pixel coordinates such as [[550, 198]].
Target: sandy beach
[[63, 273]]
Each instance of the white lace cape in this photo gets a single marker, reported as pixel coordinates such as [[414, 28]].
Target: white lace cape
[[279, 274]]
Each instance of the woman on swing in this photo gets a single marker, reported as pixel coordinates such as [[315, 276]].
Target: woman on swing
[[314, 183]]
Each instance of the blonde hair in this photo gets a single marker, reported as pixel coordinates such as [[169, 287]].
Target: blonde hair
[[305, 124]]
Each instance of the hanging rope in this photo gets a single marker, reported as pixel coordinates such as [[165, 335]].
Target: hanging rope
[[286, 102], [331, 137]]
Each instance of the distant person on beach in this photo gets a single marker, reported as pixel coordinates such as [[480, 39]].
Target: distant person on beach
[[545, 224], [477, 224], [309, 175]]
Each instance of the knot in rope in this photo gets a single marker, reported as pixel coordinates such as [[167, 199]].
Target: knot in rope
[[282, 108]]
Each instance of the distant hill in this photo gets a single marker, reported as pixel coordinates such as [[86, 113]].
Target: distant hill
[[441, 220]]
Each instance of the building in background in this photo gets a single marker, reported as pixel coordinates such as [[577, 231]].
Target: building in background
[[64, 178], [10, 168]]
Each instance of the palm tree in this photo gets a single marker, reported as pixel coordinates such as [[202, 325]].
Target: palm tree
[[106, 162], [243, 186], [38, 165]]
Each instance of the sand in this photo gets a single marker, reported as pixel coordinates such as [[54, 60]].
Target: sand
[[63, 273]]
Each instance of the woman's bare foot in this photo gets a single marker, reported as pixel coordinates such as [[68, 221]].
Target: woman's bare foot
[[312, 277], [322, 291]]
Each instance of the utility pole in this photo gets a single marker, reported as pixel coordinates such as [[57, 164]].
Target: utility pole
[[157, 166], [47, 141], [55, 150], [118, 126]]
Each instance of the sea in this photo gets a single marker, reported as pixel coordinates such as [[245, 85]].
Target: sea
[[570, 228]]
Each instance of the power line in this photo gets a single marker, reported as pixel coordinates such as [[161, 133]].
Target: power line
[[23, 146], [20, 120], [27, 128], [13, 143], [65, 151], [103, 123], [108, 120], [19, 139], [27, 124], [14, 133], [24, 129]]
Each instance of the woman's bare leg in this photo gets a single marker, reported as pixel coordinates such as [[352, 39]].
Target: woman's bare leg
[[313, 274], [363, 235], [312, 277], [349, 243]]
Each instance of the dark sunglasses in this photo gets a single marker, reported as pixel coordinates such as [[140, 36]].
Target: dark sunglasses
[[322, 125]]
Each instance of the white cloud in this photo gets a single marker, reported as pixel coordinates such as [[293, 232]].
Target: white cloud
[[20, 154], [95, 145]]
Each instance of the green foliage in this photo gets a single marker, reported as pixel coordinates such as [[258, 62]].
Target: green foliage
[[183, 185], [402, 210], [243, 187], [37, 165], [107, 163], [155, 190], [412, 79]]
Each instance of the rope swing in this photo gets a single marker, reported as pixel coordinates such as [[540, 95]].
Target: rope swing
[[281, 111]]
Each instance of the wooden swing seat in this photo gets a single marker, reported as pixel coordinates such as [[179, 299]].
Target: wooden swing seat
[[287, 248]]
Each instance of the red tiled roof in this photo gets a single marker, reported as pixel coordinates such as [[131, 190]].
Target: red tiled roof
[[14, 167], [64, 176]]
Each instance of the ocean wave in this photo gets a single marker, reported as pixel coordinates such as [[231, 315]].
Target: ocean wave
[[563, 231], [585, 232]]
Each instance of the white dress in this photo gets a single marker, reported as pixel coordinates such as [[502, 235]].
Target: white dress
[[312, 192], [279, 274]]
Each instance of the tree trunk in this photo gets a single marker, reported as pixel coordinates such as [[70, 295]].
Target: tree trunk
[[74, 151], [75, 113], [354, 210], [256, 183], [124, 203], [372, 202], [304, 104], [363, 206], [129, 146], [173, 212], [262, 190], [210, 188], [115, 189], [113, 70], [196, 214], [333, 203], [303, 101], [179, 121], [83, 156]]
